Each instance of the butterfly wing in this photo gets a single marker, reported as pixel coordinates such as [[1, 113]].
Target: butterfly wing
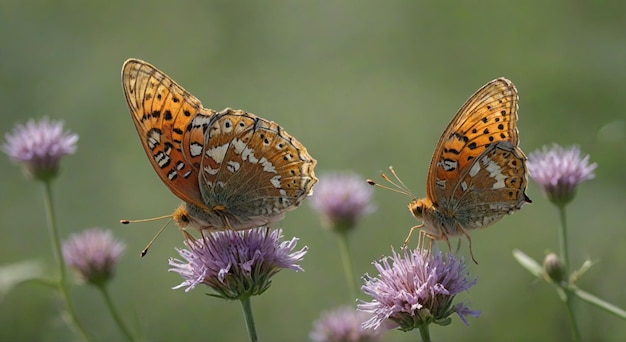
[[487, 118], [253, 168], [162, 112], [492, 187]]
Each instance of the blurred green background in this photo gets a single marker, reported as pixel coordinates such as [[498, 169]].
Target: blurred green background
[[362, 84]]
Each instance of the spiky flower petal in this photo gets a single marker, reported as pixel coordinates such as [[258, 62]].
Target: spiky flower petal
[[342, 199], [344, 324], [558, 171], [236, 263], [39, 146], [416, 288], [93, 254]]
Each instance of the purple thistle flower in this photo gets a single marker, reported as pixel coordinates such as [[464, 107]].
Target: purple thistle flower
[[93, 254], [342, 199], [558, 171], [39, 146], [344, 324], [236, 264], [416, 289]]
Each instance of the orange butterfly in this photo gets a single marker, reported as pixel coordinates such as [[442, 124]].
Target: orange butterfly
[[234, 170], [477, 173]]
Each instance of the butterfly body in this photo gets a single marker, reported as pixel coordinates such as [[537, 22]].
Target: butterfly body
[[233, 169]]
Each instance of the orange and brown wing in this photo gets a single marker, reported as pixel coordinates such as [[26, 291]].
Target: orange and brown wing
[[252, 167], [487, 117], [162, 112]]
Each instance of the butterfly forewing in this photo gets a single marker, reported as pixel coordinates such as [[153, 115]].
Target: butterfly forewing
[[159, 108], [487, 117]]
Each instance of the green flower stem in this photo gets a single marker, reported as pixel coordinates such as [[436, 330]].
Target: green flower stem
[[249, 317], [58, 255], [347, 263], [424, 332], [572, 317], [565, 259], [563, 238], [597, 302], [116, 316]]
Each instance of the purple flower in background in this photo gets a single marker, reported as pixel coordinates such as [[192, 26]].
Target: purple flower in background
[[344, 324], [39, 146], [417, 288], [93, 254], [236, 263], [342, 199], [558, 171]]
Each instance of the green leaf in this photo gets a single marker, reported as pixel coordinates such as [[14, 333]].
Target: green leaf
[[13, 274], [606, 306], [528, 263], [577, 274]]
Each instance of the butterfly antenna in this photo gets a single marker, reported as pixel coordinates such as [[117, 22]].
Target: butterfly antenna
[[399, 188], [146, 220], [403, 187], [145, 250]]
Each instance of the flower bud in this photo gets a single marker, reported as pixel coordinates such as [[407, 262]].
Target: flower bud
[[554, 268]]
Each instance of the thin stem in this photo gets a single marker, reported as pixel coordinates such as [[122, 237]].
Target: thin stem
[[116, 316], [53, 232], [565, 258], [563, 238], [58, 255], [346, 260], [249, 317], [572, 317], [424, 332]]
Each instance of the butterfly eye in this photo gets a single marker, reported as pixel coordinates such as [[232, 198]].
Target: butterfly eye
[[418, 210], [416, 207], [184, 218]]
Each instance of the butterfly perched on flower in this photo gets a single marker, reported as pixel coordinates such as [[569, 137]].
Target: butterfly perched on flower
[[232, 169], [477, 173]]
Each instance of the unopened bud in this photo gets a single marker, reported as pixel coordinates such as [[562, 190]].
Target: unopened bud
[[554, 268]]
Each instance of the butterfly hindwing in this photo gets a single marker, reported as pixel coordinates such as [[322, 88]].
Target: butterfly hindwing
[[252, 167], [493, 186]]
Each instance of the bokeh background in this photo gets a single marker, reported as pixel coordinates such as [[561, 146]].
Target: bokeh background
[[364, 85]]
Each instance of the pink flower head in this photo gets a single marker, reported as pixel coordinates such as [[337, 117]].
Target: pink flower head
[[39, 146], [344, 324], [93, 254], [236, 263], [342, 199], [416, 288], [558, 171]]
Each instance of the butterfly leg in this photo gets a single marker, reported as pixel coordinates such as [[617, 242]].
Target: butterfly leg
[[430, 245], [469, 240], [408, 238], [228, 225], [458, 247], [445, 236], [421, 239], [186, 234], [423, 236]]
